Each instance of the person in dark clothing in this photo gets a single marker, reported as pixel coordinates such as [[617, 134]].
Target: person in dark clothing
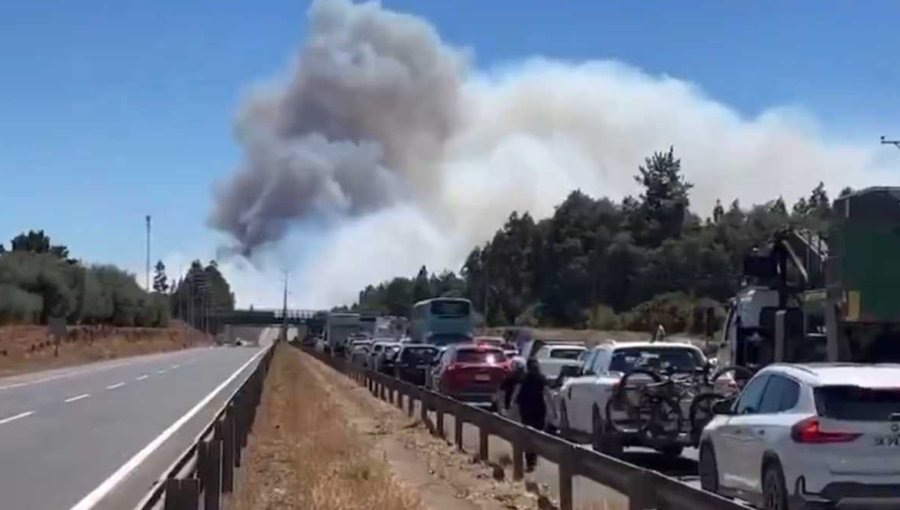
[[532, 408]]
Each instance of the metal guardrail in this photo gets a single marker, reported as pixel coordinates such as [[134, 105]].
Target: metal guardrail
[[645, 489], [205, 472]]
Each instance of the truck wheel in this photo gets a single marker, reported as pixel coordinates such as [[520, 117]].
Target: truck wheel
[[605, 441]]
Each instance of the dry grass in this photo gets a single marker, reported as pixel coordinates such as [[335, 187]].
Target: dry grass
[[28, 348], [305, 455]]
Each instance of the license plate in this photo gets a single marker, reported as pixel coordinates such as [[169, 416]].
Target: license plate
[[482, 377], [892, 440]]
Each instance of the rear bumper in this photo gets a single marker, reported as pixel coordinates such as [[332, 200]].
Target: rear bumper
[[846, 495]]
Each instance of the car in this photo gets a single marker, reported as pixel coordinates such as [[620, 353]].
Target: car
[[359, 352], [375, 353], [470, 373], [413, 362], [496, 341], [552, 357], [579, 409], [817, 435], [384, 360]]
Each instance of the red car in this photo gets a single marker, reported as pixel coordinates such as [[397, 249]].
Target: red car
[[470, 373]]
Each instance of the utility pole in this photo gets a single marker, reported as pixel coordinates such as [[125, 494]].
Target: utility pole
[[487, 288], [147, 268], [284, 312]]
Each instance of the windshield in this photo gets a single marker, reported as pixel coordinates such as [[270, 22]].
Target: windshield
[[490, 356], [572, 354], [854, 403], [418, 354], [450, 308], [663, 358]]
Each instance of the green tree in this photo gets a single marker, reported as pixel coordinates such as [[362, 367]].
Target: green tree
[[160, 280], [421, 286], [36, 241], [664, 201]]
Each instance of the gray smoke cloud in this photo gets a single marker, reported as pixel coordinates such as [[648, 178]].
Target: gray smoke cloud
[[371, 103], [410, 157]]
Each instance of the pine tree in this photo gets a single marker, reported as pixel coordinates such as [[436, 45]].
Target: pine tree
[[160, 280]]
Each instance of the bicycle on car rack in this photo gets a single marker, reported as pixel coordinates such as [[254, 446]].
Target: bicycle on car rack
[[652, 404]]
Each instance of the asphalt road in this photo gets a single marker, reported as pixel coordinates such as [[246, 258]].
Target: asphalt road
[[64, 432]]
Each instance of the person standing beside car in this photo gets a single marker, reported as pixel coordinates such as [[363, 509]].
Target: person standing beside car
[[532, 408]]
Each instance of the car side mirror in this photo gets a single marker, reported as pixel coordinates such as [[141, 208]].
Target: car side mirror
[[723, 407]]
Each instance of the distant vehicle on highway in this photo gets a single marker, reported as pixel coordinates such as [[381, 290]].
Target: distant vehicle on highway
[[413, 362], [376, 352], [384, 362], [818, 435], [358, 352], [442, 321], [338, 328], [470, 373], [496, 341]]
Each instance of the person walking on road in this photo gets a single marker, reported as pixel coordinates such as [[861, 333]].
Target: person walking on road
[[532, 408], [510, 383]]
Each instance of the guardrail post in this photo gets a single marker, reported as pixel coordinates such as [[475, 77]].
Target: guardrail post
[[483, 438], [566, 472], [400, 400], [211, 473], [410, 405], [458, 432], [518, 455], [423, 408], [641, 495], [382, 392], [228, 440], [439, 423], [181, 494]]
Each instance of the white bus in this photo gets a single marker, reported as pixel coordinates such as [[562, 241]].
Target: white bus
[[338, 328], [442, 321]]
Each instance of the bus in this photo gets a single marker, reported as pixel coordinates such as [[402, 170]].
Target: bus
[[338, 328], [442, 321]]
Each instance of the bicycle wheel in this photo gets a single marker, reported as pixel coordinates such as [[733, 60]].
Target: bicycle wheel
[[701, 412], [630, 407]]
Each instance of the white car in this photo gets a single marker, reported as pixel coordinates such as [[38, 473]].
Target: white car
[[581, 401], [552, 357], [819, 435]]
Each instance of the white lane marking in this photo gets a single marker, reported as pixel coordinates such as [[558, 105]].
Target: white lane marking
[[163, 371], [175, 366], [141, 378], [114, 386], [102, 490], [16, 417], [79, 397], [73, 373]]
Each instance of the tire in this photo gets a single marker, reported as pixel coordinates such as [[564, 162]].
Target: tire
[[604, 441], [673, 451], [775, 495], [638, 413], [708, 469], [666, 421], [564, 430]]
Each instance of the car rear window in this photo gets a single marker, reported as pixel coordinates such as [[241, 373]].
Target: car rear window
[[854, 403], [480, 356], [666, 358], [566, 353], [419, 354]]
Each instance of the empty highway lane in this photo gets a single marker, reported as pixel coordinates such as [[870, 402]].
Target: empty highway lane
[[63, 433]]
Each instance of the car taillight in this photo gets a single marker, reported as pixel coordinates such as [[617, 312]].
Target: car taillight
[[808, 432]]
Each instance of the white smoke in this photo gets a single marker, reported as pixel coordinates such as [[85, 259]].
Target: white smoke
[[413, 158]]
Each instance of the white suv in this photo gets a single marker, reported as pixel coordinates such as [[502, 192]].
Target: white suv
[[808, 436]]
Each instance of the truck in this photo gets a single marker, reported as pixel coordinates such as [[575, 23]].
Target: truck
[[826, 295], [339, 327]]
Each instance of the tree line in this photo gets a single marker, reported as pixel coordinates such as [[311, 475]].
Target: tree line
[[606, 264], [39, 280]]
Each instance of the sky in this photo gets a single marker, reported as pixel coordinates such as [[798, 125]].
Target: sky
[[112, 110]]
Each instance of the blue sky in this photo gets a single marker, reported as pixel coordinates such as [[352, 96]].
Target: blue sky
[[115, 109]]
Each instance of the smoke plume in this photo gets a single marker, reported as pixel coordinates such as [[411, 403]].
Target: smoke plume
[[402, 154]]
